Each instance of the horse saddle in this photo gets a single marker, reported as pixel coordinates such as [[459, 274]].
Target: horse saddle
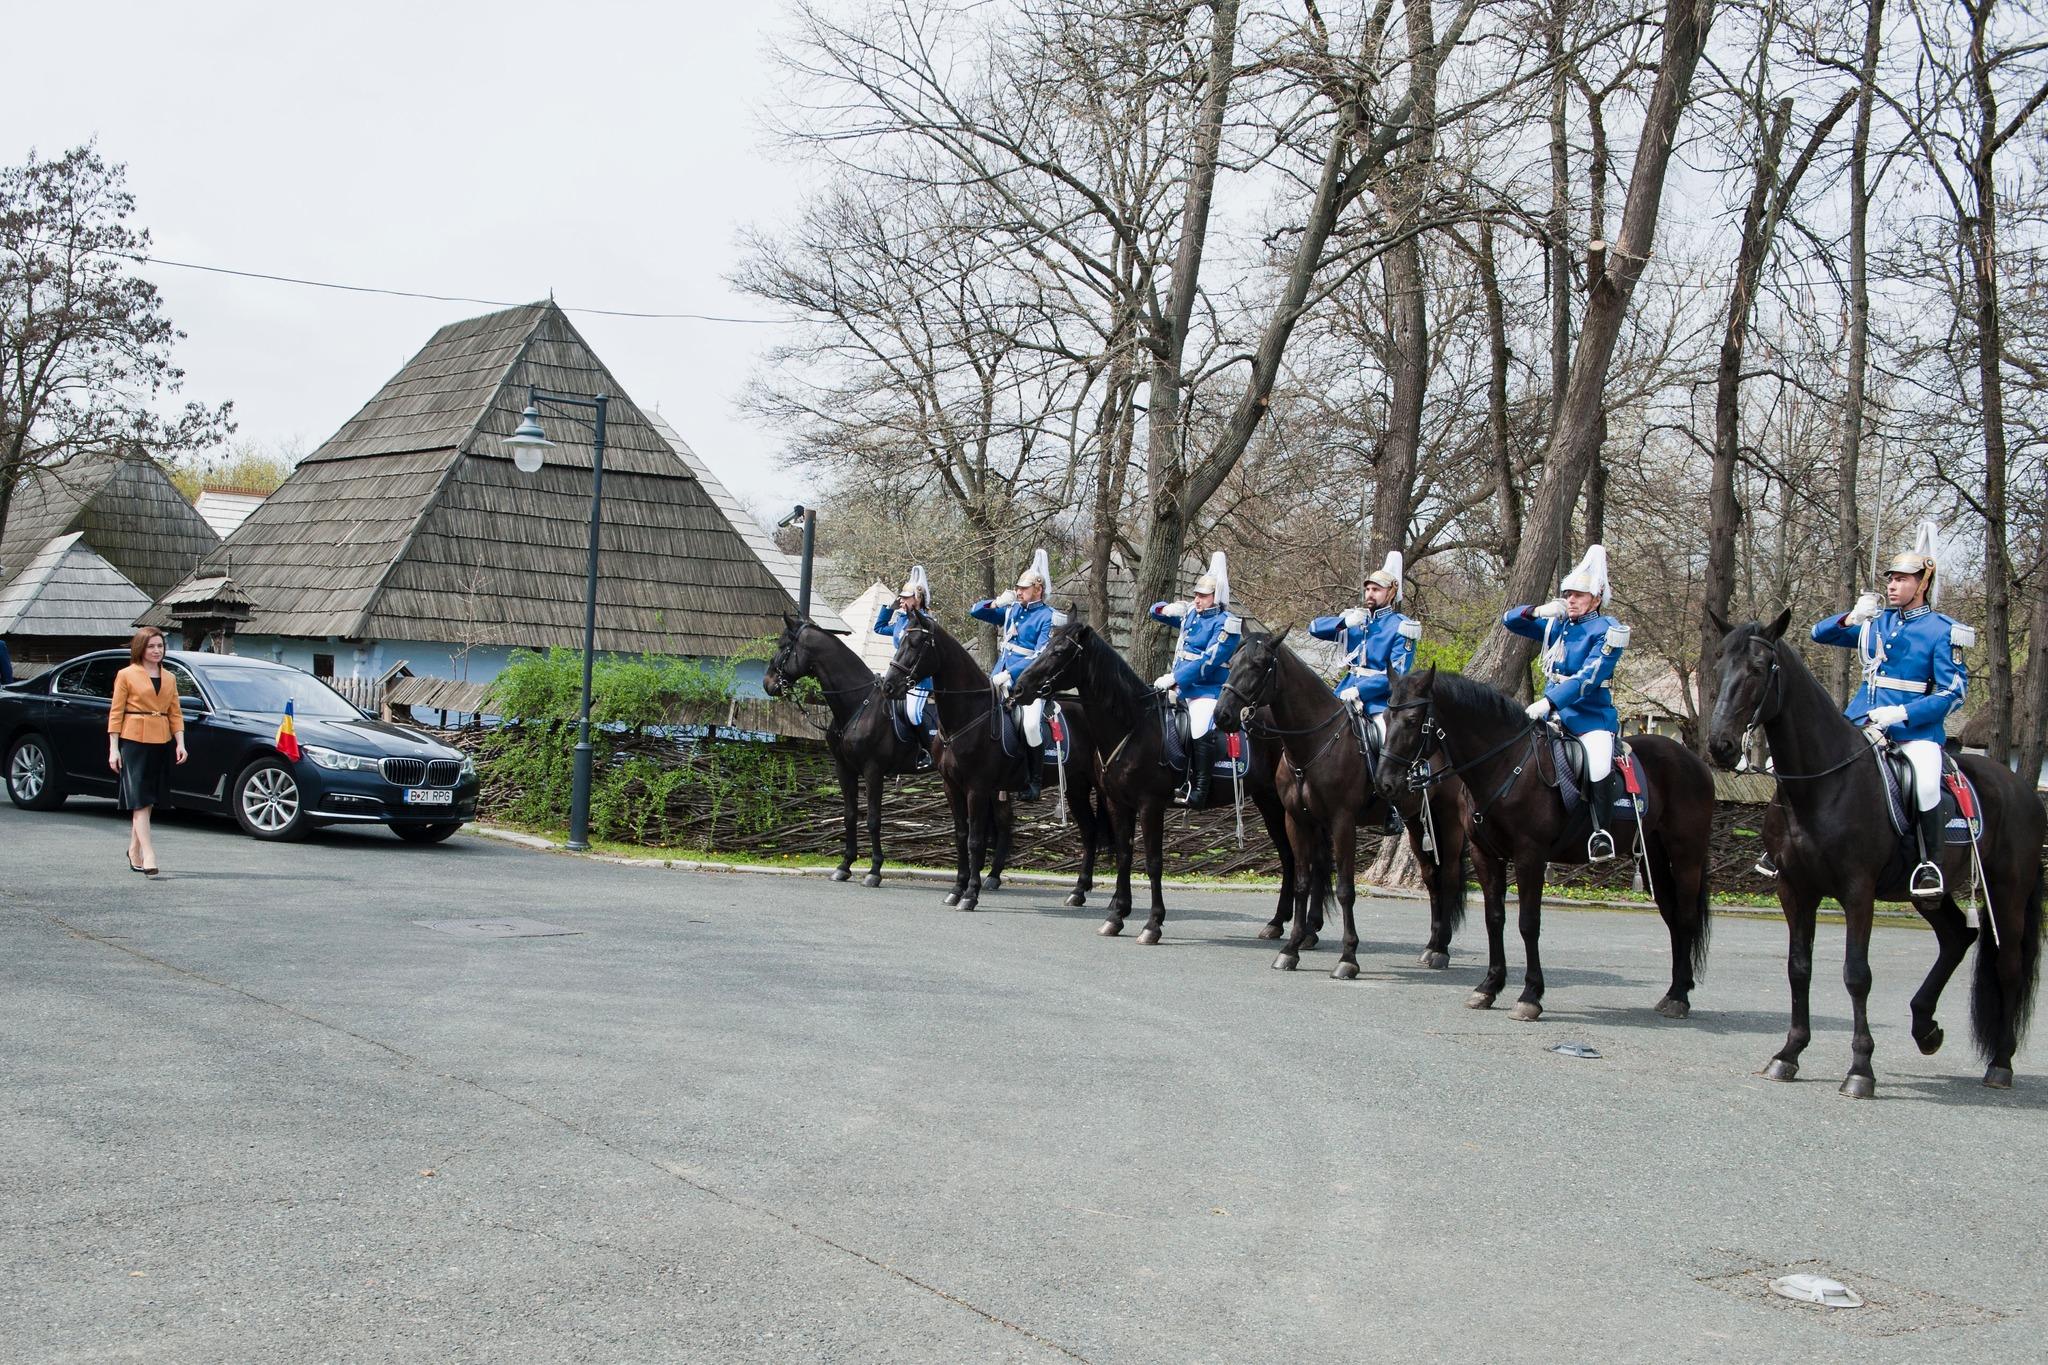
[[1058, 743], [907, 730], [1566, 755], [1962, 814], [1233, 757]]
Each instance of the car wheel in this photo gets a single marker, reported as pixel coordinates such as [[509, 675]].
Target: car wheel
[[427, 834], [268, 802], [32, 775]]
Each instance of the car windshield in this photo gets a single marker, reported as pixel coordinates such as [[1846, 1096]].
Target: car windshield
[[267, 690]]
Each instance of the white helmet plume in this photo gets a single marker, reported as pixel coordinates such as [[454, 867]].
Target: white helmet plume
[[1389, 575], [918, 586], [1040, 572], [1591, 574], [1217, 580]]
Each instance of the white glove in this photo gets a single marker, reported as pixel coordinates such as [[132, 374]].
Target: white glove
[[1001, 680], [1867, 608], [1008, 599], [1550, 610], [1174, 609], [1164, 682], [1355, 617], [1885, 717], [1539, 709]]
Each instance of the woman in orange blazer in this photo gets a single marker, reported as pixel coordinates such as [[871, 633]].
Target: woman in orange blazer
[[145, 730]]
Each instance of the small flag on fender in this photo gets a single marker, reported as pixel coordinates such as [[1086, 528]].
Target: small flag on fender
[[287, 740]]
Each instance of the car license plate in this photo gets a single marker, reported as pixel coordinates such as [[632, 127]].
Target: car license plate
[[429, 796]]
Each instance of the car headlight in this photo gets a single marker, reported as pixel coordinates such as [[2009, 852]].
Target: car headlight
[[336, 761], [469, 765]]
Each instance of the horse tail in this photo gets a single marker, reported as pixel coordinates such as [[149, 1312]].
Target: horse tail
[[1453, 881], [1702, 929], [1987, 995]]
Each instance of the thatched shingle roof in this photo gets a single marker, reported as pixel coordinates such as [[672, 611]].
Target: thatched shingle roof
[[125, 507], [412, 523], [69, 591]]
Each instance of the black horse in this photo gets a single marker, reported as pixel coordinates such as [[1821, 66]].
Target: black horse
[[980, 776], [1137, 783], [1332, 793], [1831, 836], [1514, 816], [863, 738]]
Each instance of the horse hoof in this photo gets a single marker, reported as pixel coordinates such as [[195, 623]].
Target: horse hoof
[[1346, 971], [1110, 928], [1147, 937], [1078, 898], [1479, 1000], [1437, 960], [952, 898], [1268, 931], [1671, 1007], [1309, 942], [1781, 1070], [991, 883], [1999, 1078], [1286, 962], [841, 875], [1528, 1011], [1859, 1087], [1930, 1042], [967, 903], [873, 879]]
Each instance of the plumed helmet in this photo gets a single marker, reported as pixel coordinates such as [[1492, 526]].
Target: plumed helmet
[[1217, 580], [1039, 573], [1919, 560], [1388, 575], [918, 586], [1591, 574]]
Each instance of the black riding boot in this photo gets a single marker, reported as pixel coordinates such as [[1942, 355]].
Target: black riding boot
[[1034, 767], [1600, 805], [1203, 754], [1927, 879]]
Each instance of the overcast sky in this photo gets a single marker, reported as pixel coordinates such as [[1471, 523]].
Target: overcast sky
[[608, 152]]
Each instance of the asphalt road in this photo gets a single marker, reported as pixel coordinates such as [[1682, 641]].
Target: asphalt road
[[257, 1112]]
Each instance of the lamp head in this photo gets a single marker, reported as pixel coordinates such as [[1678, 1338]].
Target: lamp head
[[528, 444]]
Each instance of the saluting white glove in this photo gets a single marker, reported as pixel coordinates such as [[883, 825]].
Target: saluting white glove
[[1164, 682], [1885, 717], [1008, 599], [1539, 709], [1001, 680], [1867, 608], [1550, 610], [1174, 609], [1355, 617]]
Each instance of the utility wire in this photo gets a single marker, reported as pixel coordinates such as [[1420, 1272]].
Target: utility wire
[[402, 293]]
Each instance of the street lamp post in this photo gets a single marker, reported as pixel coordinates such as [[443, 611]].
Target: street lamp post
[[809, 517], [528, 445]]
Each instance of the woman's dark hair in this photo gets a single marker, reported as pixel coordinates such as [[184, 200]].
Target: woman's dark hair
[[138, 646]]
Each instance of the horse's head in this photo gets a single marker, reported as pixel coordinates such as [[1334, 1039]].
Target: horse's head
[[1254, 677], [1410, 740], [1057, 666], [791, 659], [916, 653], [1749, 690]]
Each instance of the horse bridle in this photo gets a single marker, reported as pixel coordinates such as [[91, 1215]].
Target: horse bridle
[[1421, 777], [1773, 690], [1250, 699]]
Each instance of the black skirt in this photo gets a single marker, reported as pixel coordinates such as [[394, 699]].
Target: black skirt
[[145, 774]]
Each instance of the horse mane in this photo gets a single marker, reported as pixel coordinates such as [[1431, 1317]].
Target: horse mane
[[951, 653], [1111, 675], [1473, 695]]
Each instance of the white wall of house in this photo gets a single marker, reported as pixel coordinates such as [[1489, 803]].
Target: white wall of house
[[428, 659]]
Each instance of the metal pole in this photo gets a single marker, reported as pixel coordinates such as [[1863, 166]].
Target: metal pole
[[579, 795], [803, 588]]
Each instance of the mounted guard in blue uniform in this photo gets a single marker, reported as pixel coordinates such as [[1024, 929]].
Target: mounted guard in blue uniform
[[1581, 646], [1379, 646], [1913, 677], [914, 596], [1209, 635], [1023, 620]]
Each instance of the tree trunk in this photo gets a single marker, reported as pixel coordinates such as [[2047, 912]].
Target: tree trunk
[[1848, 530], [1982, 233], [1499, 357], [2034, 733], [1573, 438]]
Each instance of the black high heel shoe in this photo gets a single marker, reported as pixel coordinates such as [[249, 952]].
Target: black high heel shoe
[[131, 864]]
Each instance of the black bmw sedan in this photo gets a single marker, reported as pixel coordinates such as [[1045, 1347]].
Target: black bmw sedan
[[351, 769]]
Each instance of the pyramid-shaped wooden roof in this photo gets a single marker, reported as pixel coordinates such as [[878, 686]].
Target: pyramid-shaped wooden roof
[[412, 523], [124, 507]]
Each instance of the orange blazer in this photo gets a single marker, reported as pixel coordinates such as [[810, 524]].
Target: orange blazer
[[142, 713]]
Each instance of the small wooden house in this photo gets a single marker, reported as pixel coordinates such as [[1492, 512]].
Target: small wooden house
[[409, 536]]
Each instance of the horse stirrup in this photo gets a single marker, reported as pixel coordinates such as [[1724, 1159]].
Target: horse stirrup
[[1600, 847], [1926, 880]]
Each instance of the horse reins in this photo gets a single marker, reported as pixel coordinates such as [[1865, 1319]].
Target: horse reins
[[1421, 777]]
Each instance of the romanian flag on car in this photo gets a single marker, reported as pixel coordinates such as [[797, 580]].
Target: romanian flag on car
[[287, 740]]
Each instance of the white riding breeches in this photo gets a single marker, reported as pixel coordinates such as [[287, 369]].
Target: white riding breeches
[[1032, 718], [1599, 753], [1379, 727], [1925, 756], [1201, 716], [913, 704]]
